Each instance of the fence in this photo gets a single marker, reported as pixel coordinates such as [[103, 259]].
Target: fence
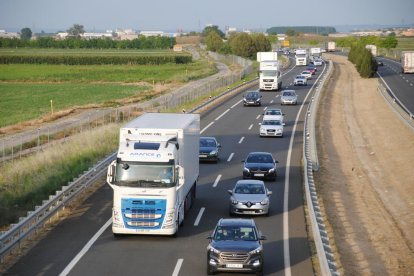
[[30, 141]]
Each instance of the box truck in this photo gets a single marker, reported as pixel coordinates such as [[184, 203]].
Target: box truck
[[330, 46], [154, 176], [270, 75], [301, 57], [262, 56], [407, 61]]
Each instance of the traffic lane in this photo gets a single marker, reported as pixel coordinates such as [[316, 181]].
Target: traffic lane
[[399, 86], [52, 253]]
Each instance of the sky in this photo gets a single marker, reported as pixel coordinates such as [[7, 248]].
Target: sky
[[194, 15]]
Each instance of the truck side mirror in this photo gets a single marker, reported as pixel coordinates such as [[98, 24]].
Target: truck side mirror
[[110, 178], [180, 170]]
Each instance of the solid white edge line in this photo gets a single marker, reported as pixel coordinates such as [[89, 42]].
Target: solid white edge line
[[234, 105], [177, 267], [286, 249], [241, 140], [200, 214], [217, 180], [85, 249], [250, 127], [206, 127], [230, 157], [224, 113]]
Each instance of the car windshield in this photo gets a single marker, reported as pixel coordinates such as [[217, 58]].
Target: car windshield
[[271, 123], [249, 189], [207, 143], [273, 112], [305, 73], [251, 95], [269, 73], [300, 77], [259, 158], [288, 94], [235, 232]]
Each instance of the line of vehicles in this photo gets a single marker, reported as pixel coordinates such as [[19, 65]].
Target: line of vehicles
[[154, 180]]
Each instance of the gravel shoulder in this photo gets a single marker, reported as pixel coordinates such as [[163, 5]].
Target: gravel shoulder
[[366, 178]]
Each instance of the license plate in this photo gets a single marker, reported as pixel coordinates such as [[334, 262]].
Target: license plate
[[234, 265], [259, 174], [203, 156], [249, 212]]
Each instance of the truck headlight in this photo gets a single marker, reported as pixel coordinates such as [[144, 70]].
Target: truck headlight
[[169, 217]]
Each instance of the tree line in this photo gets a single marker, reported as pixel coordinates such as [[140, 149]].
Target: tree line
[[364, 61], [240, 44], [295, 30], [387, 42], [142, 42]]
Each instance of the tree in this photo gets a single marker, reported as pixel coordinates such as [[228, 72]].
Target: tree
[[76, 30], [242, 45], [25, 34], [261, 43], [214, 42], [213, 28], [389, 42], [290, 32]]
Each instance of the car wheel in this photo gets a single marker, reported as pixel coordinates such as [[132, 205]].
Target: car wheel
[[210, 270]]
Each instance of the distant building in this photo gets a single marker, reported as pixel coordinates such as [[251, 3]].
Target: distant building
[[408, 32], [5, 34], [339, 35], [96, 35], [152, 33]]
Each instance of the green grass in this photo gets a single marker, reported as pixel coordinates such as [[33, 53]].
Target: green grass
[[104, 73], [25, 182], [25, 101], [405, 43]]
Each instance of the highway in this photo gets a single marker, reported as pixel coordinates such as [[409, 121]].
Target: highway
[[83, 244], [401, 85]]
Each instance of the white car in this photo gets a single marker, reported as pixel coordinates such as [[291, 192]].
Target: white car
[[274, 114], [307, 74], [300, 80], [269, 127], [318, 62]]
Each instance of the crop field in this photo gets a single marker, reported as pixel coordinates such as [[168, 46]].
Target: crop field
[[405, 43], [27, 89]]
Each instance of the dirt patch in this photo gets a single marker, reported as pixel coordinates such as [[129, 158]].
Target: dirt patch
[[366, 179]]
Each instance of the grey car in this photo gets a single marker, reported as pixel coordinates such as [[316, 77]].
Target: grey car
[[235, 245], [249, 197], [289, 97], [252, 98]]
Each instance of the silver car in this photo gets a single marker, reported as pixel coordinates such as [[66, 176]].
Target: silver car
[[289, 97], [249, 197], [269, 127]]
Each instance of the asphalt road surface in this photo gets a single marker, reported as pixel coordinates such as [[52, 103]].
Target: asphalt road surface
[[83, 244]]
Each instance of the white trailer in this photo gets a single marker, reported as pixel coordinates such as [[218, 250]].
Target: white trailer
[[330, 46], [266, 56], [270, 75], [301, 57], [155, 173], [407, 61], [372, 49]]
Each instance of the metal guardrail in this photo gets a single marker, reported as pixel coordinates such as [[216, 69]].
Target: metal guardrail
[[396, 105], [27, 227], [12, 239], [311, 164]]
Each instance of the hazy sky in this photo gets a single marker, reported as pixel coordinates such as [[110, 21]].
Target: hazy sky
[[194, 15]]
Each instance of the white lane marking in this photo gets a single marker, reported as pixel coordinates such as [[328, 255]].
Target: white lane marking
[[250, 127], [234, 105], [241, 140], [85, 249], [264, 109], [224, 113], [286, 250], [177, 267], [206, 127], [217, 180], [258, 116], [271, 101], [230, 157], [200, 214]]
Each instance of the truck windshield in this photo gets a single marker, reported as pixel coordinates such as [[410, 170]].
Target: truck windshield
[[144, 175], [269, 73]]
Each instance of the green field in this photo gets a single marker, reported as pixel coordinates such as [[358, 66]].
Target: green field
[[92, 52], [26, 89], [405, 43]]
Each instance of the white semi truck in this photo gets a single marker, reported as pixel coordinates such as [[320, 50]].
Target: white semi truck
[[407, 61], [269, 71], [372, 49], [155, 174], [330, 46], [301, 57]]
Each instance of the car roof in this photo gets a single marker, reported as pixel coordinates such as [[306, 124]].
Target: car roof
[[259, 153], [207, 137], [289, 91], [236, 221], [249, 181]]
